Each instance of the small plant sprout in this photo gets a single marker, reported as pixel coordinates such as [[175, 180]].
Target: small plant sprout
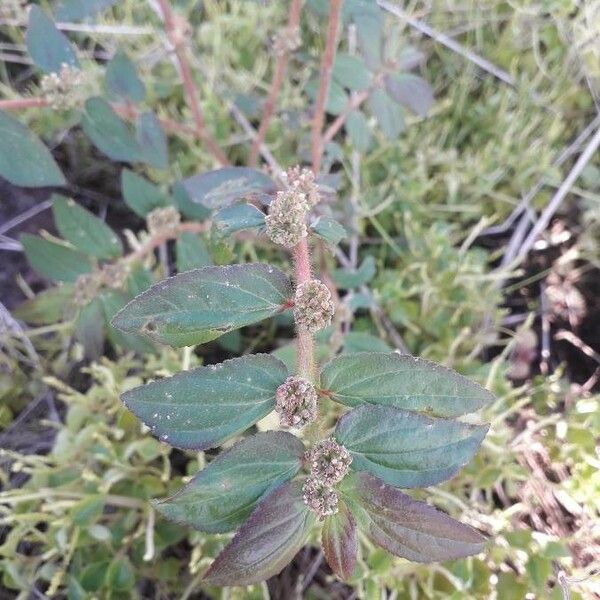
[[401, 429]]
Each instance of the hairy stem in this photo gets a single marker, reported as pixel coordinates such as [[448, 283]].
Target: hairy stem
[[175, 35], [304, 340], [325, 79], [278, 77]]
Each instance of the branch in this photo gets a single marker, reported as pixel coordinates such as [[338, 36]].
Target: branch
[[175, 34], [305, 344], [325, 79], [278, 77]]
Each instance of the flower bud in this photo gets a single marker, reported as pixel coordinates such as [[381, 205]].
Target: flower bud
[[163, 220], [286, 221], [85, 288], [320, 498], [63, 90], [313, 307], [296, 402], [329, 461]]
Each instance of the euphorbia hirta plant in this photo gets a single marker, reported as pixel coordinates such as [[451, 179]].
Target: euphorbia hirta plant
[[402, 429]]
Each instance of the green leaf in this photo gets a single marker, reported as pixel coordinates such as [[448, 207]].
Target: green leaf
[[347, 279], [221, 496], [191, 252], [237, 218], [152, 141], [406, 527], [221, 187], [337, 98], [141, 195], [411, 91], [122, 81], [402, 381], [48, 307], [120, 575], [112, 302], [351, 72], [329, 230], [340, 542], [89, 329], [407, 449], [369, 29], [53, 260], [84, 230], [87, 511], [24, 160], [388, 114], [185, 205], [359, 131], [109, 133], [78, 10], [358, 341], [200, 305], [203, 407], [139, 280], [267, 541], [47, 46], [93, 576]]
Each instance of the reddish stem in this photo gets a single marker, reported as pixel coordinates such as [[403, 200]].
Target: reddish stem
[[335, 9], [22, 103], [278, 77], [304, 341], [175, 36]]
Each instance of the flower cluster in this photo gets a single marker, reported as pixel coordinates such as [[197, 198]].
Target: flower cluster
[[320, 498], [114, 275], [313, 307], [296, 402], [303, 180], [62, 90], [286, 221], [163, 220], [85, 289], [287, 40], [329, 461]]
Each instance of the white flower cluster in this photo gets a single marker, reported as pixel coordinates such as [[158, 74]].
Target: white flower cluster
[[320, 498], [313, 307], [163, 220], [63, 90], [296, 402]]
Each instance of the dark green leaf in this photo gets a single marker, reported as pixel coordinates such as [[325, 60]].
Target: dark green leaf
[[89, 329], [388, 114], [406, 527], [141, 195], [340, 542], [359, 131], [109, 133], [329, 230], [139, 280], [191, 252], [53, 260], [200, 305], [24, 160], [221, 496], [347, 279], [87, 511], [337, 99], [411, 91], [47, 46], [78, 10], [84, 230], [47, 307], [402, 381], [203, 407], [216, 189], [357, 341], [93, 576], [407, 449], [120, 575], [152, 140], [267, 541], [122, 81], [351, 72], [237, 218], [112, 302], [189, 209]]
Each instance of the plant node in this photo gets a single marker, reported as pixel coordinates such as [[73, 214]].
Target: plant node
[[62, 90], [86, 289], [114, 275], [320, 498], [286, 221], [329, 461], [296, 402], [303, 180], [313, 307], [163, 220], [287, 40]]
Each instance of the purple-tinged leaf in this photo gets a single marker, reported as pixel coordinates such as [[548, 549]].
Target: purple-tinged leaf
[[404, 448], [411, 91], [267, 541], [340, 542], [406, 527]]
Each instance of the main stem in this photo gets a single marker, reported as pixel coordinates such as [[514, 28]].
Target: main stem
[[305, 345]]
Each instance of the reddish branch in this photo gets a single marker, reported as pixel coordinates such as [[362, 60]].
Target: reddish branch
[[278, 77], [176, 34], [325, 78], [305, 345]]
